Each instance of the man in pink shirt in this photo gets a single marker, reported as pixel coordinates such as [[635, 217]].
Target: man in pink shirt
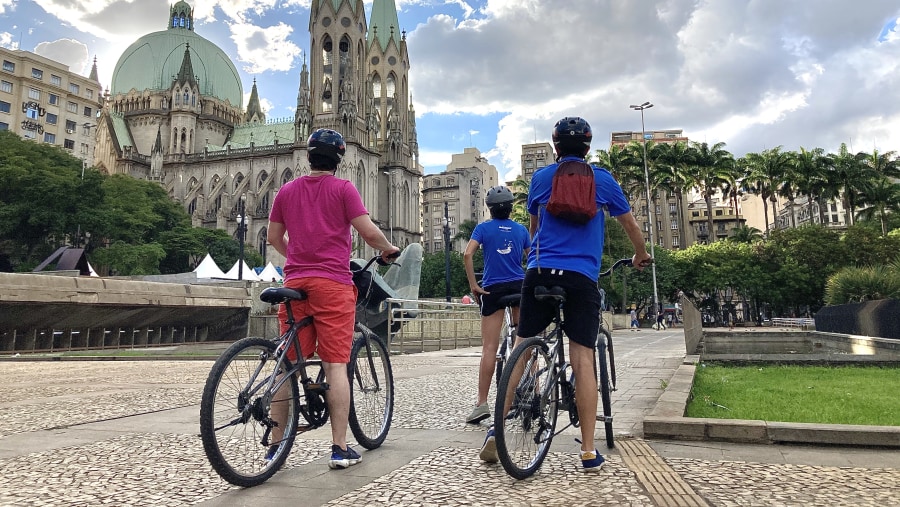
[[310, 225]]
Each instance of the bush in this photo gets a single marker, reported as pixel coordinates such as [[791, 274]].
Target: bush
[[852, 285]]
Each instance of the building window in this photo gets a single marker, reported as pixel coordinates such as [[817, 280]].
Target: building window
[[29, 134], [34, 93], [53, 99], [6, 86], [74, 88], [72, 107], [69, 144], [9, 66], [51, 118], [674, 226], [4, 107], [89, 93], [70, 126], [49, 138], [31, 113], [675, 242], [4, 126], [87, 111], [37, 73], [86, 129], [84, 149], [55, 80]]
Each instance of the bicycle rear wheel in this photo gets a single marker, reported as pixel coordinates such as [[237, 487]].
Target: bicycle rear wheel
[[502, 351], [530, 389], [604, 387], [371, 390], [236, 416]]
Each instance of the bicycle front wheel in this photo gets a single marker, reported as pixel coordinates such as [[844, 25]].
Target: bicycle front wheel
[[604, 386], [371, 390], [502, 351], [247, 431], [526, 408]]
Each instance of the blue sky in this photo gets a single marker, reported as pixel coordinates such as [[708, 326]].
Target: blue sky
[[496, 74]]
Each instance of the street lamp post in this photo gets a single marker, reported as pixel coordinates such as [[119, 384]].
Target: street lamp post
[[242, 230], [648, 105], [446, 222]]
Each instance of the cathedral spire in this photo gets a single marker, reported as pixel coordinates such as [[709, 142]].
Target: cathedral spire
[[254, 110], [94, 77], [186, 74], [383, 24]]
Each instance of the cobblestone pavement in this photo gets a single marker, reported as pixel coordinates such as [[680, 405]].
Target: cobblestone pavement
[[126, 433]]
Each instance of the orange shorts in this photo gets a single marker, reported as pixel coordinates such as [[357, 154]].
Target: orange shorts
[[333, 307]]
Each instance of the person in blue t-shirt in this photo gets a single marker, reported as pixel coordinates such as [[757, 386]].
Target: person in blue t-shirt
[[567, 254], [505, 242]]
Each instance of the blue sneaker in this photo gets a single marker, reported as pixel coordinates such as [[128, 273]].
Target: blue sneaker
[[489, 448], [591, 461], [270, 452], [341, 458]]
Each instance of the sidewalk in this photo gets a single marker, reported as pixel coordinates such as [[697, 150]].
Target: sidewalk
[[126, 433]]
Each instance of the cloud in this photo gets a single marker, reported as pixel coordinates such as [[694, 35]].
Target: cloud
[[264, 49], [753, 74], [6, 41], [7, 4], [67, 51]]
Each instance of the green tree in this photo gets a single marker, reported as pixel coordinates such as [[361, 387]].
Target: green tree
[[879, 198], [764, 173], [714, 168]]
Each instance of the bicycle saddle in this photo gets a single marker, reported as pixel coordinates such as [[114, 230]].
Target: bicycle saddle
[[275, 295], [555, 293], [509, 300]]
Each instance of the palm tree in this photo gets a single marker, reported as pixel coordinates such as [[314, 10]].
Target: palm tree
[[745, 234], [672, 165], [764, 175], [882, 197], [848, 173], [519, 188], [714, 167], [809, 168]]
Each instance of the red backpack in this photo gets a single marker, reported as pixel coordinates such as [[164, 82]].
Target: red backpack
[[573, 195]]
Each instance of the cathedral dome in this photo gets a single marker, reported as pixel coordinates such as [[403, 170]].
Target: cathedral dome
[[152, 62]]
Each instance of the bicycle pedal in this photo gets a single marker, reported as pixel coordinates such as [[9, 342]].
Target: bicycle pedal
[[317, 387], [603, 418]]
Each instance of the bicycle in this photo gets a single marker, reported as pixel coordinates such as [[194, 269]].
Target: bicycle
[[255, 375], [536, 384], [507, 333]]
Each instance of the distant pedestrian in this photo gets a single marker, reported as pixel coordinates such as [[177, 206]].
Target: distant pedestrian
[[635, 325], [660, 321]]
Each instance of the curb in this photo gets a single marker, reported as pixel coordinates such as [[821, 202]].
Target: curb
[[667, 421]]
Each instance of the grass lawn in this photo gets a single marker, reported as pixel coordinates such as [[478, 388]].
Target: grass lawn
[[866, 395]]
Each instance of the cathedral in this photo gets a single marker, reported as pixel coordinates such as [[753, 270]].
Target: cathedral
[[174, 115]]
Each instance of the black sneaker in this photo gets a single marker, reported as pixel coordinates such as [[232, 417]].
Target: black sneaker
[[341, 458]]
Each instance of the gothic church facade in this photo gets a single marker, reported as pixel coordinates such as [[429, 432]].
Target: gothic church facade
[[174, 115]]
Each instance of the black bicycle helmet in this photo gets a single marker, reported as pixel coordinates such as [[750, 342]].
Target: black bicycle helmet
[[326, 144], [572, 136], [497, 196], [499, 201]]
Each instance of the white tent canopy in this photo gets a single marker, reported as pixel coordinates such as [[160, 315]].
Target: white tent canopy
[[270, 274], [209, 269], [246, 274]]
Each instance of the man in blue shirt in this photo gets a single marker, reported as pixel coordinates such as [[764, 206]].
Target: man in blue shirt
[[505, 242], [567, 254]]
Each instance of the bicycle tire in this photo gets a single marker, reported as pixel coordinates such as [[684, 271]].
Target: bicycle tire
[[523, 433], [371, 390], [502, 352], [231, 419], [604, 388]]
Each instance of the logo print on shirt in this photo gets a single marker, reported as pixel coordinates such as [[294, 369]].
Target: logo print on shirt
[[506, 250]]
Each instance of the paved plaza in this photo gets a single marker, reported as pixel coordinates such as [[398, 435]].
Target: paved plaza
[[126, 433]]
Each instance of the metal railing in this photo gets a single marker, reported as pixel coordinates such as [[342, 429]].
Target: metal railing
[[800, 323], [423, 325]]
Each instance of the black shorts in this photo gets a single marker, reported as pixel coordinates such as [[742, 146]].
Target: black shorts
[[490, 302], [581, 311]]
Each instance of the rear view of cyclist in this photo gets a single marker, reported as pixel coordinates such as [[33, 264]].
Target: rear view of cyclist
[[567, 254], [310, 226], [504, 242]]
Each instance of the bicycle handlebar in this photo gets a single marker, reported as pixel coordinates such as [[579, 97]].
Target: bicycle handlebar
[[612, 268]]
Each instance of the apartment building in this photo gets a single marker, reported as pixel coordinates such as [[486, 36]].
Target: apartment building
[[455, 195], [40, 99], [534, 156]]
